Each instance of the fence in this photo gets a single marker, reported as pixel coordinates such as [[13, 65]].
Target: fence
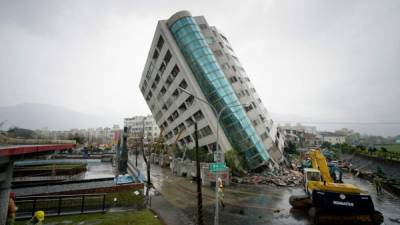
[[380, 154], [60, 204]]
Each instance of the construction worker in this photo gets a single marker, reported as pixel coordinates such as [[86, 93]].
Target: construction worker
[[378, 184], [221, 192], [37, 218], [12, 209]]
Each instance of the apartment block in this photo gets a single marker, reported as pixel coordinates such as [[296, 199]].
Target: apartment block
[[188, 53]]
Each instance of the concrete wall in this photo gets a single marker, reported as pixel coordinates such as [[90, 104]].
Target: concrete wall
[[368, 163]]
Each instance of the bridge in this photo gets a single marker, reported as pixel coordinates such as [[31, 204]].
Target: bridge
[[15, 150], [10, 153]]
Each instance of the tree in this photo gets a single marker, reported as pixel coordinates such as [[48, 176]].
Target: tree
[[326, 144], [291, 148], [234, 161], [80, 139]]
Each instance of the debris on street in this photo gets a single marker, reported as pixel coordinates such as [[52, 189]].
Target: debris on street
[[284, 178]]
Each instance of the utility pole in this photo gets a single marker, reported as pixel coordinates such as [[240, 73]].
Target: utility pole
[[146, 160], [198, 179], [123, 160], [137, 152]]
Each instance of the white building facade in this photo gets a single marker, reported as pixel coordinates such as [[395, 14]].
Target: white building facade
[[187, 53], [136, 125]]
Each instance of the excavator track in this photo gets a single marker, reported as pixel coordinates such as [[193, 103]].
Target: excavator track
[[320, 217]]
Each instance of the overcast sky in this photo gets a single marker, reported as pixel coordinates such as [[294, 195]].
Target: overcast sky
[[335, 60]]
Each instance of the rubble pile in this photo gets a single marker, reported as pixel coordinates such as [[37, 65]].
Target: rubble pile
[[284, 178]]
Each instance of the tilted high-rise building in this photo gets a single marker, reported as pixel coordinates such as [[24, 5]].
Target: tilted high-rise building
[[186, 52]]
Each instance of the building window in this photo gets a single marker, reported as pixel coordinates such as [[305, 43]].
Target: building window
[[233, 79], [264, 136], [167, 57], [223, 37], [189, 122], [175, 71], [169, 81], [248, 108], [182, 108], [160, 43], [155, 54], [189, 101], [163, 90], [205, 131], [220, 44], [225, 66], [175, 94], [181, 127], [218, 53], [162, 68], [157, 79], [234, 68], [149, 95], [175, 114], [153, 86], [198, 115], [151, 67], [188, 139], [203, 26], [210, 40], [255, 123], [183, 84], [164, 107]]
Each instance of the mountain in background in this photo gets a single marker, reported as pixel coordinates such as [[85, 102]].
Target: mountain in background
[[37, 116]]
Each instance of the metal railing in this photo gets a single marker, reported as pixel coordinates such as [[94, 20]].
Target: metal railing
[[60, 204]]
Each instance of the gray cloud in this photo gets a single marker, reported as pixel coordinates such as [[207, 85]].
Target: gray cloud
[[335, 60]]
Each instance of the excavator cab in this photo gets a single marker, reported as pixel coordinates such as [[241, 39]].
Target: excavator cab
[[312, 175]]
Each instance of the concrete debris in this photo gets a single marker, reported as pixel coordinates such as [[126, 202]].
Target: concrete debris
[[397, 220], [284, 178]]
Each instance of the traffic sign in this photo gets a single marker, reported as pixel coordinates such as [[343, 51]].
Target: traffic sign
[[216, 167]]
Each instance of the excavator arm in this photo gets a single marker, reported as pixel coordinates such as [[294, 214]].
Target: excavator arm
[[318, 161]]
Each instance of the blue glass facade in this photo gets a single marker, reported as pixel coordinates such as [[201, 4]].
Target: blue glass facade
[[217, 90]]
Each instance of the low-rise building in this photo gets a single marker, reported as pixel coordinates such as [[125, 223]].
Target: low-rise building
[[142, 126], [333, 138]]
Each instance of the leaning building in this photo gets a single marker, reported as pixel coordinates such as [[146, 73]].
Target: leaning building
[[187, 52]]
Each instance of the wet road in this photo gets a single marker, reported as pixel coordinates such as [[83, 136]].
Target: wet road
[[253, 204]]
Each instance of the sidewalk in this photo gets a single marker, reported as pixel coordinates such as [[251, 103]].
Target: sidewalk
[[169, 213]]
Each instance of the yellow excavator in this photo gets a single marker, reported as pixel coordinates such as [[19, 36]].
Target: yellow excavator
[[333, 203]]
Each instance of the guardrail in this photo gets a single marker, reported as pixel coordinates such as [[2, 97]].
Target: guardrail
[[60, 204], [379, 154]]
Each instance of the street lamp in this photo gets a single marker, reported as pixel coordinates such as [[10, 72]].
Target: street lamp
[[219, 157]]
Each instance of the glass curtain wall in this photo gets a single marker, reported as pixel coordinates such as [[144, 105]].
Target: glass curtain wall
[[218, 91]]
